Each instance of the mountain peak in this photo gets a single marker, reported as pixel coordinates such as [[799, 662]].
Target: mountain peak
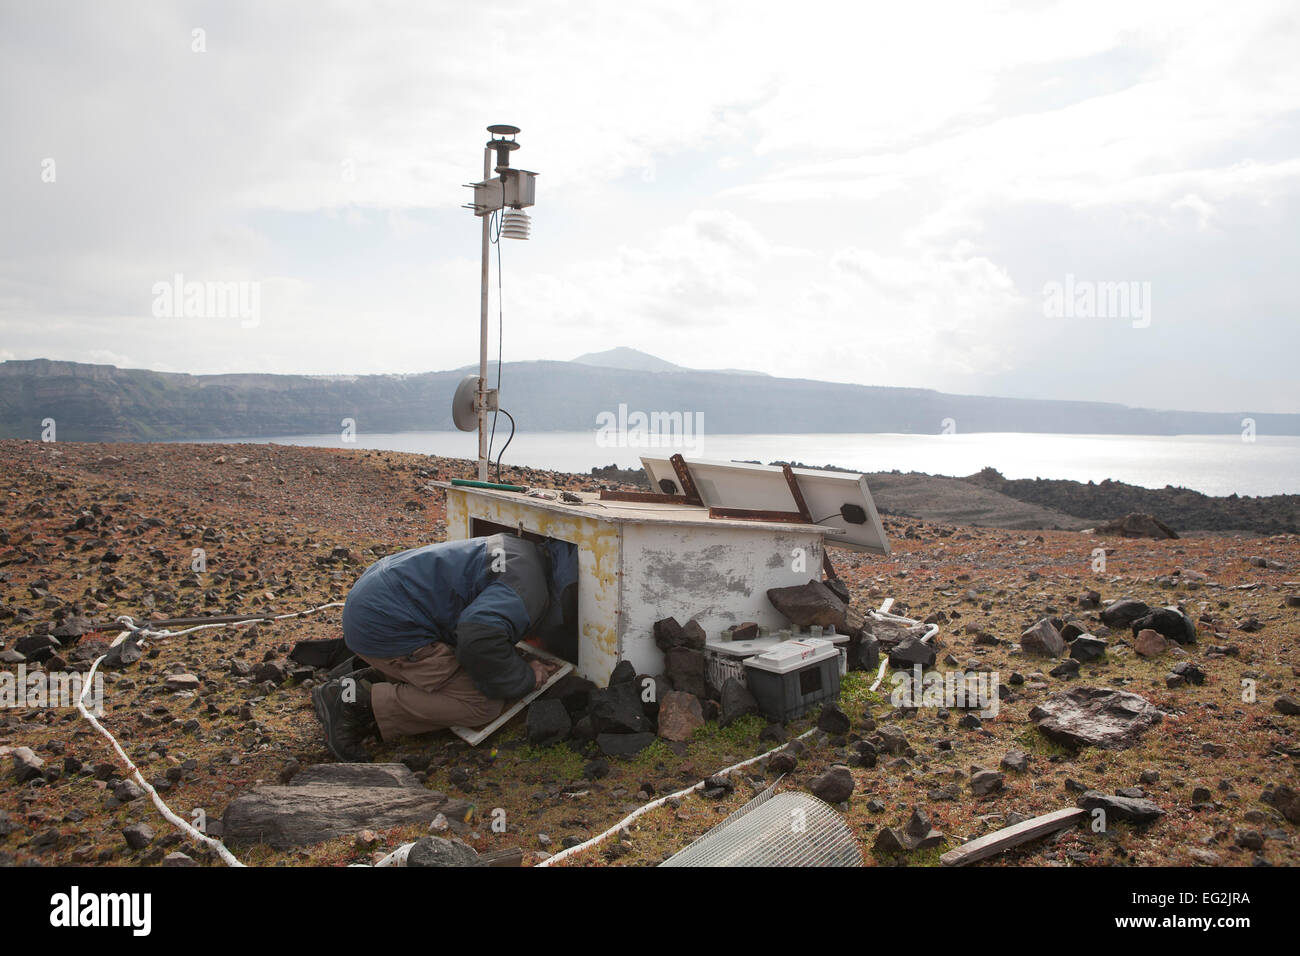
[[624, 357]]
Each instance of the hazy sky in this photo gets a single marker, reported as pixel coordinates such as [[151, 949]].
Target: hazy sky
[[859, 192]]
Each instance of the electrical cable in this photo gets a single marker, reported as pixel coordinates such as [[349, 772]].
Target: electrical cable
[[507, 444], [497, 221], [131, 632]]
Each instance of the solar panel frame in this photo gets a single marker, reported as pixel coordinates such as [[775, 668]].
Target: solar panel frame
[[734, 484]]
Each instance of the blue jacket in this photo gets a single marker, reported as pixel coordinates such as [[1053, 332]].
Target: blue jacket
[[480, 595]]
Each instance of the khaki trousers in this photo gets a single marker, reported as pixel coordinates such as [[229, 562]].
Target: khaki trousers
[[429, 691]]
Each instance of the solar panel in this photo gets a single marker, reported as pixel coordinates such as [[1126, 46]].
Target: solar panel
[[838, 499]]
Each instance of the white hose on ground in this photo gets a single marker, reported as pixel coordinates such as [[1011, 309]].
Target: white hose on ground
[[659, 802], [131, 628], [165, 810], [882, 614], [397, 857], [880, 675]]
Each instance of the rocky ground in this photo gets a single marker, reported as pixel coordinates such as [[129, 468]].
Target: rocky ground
[[89, 532]]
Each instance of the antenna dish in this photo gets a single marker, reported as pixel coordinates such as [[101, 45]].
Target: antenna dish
[[463, 410]]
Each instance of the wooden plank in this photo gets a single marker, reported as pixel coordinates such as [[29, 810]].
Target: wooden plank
[[764, 487], [749, 514], [687, 481], [793, 482], [609, 494], [673, 513], [1008, 837], [475, 736]]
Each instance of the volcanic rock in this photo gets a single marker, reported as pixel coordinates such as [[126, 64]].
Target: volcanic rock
[[833, 720], [548, 723], [435, 851], [920, 834], [864, 653], [1170, 622], [737, 702], [986, 782], [623, 745], [1066, 669], [1283, 799], [26, 764], [693, 635], [808, 604], [892, 841], [1121, 808], [1016, 760], [573, 691], [624, 672], [889, 633], [1043, 639], [1087, 648], [679, 715], [743, 632], [1123, 612], [685, 668], [911, 651], [1151, 643], [138, 835], [782, 762], [344, 801], [1137, 525], [277, 672], [668, 633], [72, 628], [1095, 717], [834, 786], [617, 709]]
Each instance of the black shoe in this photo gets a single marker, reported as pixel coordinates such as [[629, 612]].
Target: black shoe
[[368, 676], [364, 679], [346, 724]]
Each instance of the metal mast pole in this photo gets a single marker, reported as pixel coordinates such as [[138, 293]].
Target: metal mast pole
[[483, 339]]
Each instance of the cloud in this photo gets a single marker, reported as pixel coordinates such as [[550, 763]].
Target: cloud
[[954, 311], [846, 192]]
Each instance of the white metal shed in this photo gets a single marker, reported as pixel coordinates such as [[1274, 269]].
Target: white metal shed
[[642, 561]]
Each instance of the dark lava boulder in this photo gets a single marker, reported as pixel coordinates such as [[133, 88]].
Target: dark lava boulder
[[1168, 621]]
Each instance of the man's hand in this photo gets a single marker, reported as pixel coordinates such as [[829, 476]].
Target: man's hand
[[541, 673]]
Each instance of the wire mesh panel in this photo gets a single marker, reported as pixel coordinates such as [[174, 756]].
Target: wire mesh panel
[[787, 829]]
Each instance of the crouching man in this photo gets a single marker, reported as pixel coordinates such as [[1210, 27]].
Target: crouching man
[[438, 626]]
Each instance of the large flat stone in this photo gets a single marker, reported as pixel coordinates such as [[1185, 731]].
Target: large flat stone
[[1095, 717], [333, 800], [809, 604], [357, 775], [1130, 809]]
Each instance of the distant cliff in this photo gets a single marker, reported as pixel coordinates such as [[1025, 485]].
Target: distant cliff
[[104, 403]]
